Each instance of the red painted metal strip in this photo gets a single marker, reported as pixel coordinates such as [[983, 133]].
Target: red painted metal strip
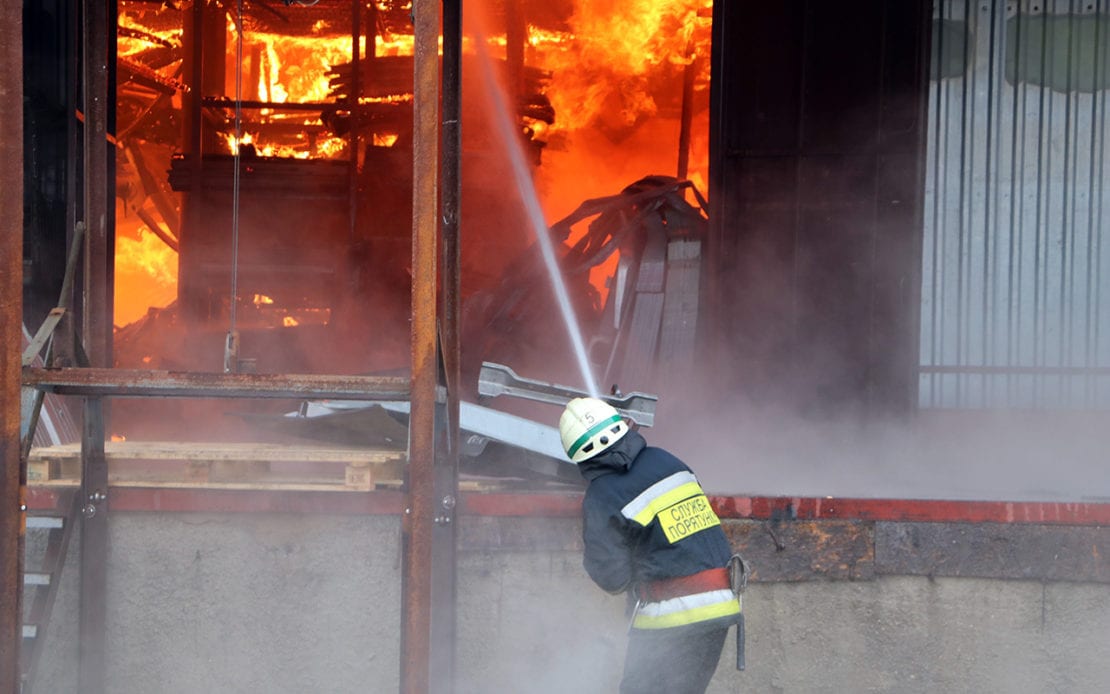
[[568, 505], [42, 499], [919, 510]]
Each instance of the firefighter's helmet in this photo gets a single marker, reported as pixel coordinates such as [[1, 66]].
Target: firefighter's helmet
[[588, 427]]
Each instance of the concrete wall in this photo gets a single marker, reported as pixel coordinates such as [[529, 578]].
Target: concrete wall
[[282, 603]]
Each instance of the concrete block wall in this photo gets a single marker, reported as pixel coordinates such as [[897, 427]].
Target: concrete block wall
[[274, 603]]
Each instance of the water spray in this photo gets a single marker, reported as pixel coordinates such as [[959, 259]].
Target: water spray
[[509, 134]]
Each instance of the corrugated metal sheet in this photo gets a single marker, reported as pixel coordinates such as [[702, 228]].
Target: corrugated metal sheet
[[1016, 269]]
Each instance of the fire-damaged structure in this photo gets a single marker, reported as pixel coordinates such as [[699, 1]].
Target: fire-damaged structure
[[314, 193], [278, 276]]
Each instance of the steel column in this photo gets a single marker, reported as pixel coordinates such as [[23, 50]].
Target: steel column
[[420, 504], [516, 35], [99, 38], [190, 299], [689, 74], [353, 107], [97, 324], [92, 640], [12, 475], [65, 341], [444, 533]]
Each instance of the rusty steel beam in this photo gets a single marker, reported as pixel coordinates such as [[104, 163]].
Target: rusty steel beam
[[418, 521], [445, 531], [12, 472], [182, 384], [98, 41]]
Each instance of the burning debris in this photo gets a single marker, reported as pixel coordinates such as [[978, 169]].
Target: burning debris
[[325, 197]]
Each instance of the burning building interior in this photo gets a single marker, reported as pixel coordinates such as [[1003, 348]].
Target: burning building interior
[[302, 283]]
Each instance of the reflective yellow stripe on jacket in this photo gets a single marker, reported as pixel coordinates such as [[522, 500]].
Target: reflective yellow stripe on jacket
[[667, 491], [678, 502], [688, 609]]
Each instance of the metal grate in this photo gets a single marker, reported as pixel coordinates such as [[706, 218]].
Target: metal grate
[[1016, 270]]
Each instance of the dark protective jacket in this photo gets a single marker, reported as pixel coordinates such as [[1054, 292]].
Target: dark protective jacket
[[645, 518]]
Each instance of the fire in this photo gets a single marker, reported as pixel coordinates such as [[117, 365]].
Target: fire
[[146, 270], [136, 38], [292, 68], [616, 88], [385, 139], [116, 438], [296, 69]]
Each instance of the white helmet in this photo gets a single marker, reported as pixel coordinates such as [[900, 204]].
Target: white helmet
[[589, 426]]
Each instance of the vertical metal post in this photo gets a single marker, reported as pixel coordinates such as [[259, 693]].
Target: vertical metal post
[[65, 338], [190, 296], [516, 34], [420, 508], [714, 337], [12, 474], [97, 324], [353, 107], [687, 113], [99, 30], [444, 533], [91, 672]]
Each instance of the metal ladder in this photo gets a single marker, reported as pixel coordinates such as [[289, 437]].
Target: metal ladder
[[40, 587]]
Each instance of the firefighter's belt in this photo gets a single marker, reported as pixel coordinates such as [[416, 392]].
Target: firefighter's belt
[[701, 582]]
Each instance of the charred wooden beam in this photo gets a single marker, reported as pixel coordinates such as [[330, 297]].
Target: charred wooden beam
[[314, 178], [393, 75], [133, 71]]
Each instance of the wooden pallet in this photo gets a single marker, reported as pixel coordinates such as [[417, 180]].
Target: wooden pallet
[[220, 464]]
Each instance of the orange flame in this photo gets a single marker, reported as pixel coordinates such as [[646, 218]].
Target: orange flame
[[616, 89], [610, 75], [146, 271]]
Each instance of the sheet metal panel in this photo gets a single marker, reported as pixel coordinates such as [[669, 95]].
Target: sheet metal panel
[[816, 160], [1015, 300]]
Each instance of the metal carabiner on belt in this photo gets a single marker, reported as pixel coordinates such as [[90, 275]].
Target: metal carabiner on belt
[[635, 611], [738, 572]]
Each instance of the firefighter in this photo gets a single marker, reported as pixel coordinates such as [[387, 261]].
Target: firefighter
[[648, 529]]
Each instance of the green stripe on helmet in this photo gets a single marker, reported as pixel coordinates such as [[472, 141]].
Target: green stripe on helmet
[[592, 430]]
